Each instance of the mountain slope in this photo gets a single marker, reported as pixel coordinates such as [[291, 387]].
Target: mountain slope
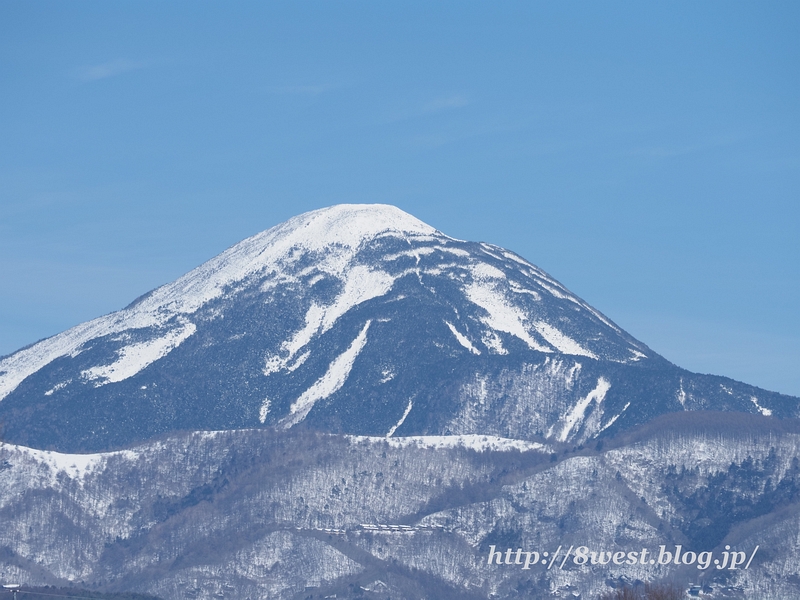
[[358, 319]]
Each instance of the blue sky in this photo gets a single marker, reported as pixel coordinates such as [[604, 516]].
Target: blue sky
[[645, 154]]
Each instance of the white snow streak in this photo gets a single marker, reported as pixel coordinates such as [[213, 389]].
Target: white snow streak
[[505, 316], [612, 420], [402, 419], [576, 415], [636, 355], [486, 271], [415, 253], [361, 284], [515, 287], [462, 339], [330, 382], [264, 410], [502, 316], [56, 387], [132, 359], [561, 341], [682, 395], [299, 362], [764, 411], [456, 251]]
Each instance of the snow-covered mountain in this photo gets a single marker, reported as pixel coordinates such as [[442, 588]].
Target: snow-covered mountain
[[358, 319], [355, 405]]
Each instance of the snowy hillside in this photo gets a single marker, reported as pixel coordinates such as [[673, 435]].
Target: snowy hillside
[[297, 514]]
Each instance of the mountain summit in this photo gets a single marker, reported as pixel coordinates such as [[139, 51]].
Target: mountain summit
[[359, 319]]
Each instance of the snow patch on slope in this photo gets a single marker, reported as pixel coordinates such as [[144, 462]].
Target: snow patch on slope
[[576, 415], [263, 411], [462, 339], [59, 386], [501, 315], [360, 284], [330, 382], [636, 355], [764, 411], [483, 270], [515, 287], [74, 465], [132, 359], [493, 342], [415, 253], [682, 395], [505, 316], [613, 419], [402, 419], [561, 341]]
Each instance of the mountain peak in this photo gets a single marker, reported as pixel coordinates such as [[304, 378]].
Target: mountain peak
[[332, 235], [346, 225]]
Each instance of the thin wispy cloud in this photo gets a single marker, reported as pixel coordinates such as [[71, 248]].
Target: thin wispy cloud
[[443, 138], [671, 151], [446, 103], [420, 109], [436, 105], [107, 69], [300, 90]]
